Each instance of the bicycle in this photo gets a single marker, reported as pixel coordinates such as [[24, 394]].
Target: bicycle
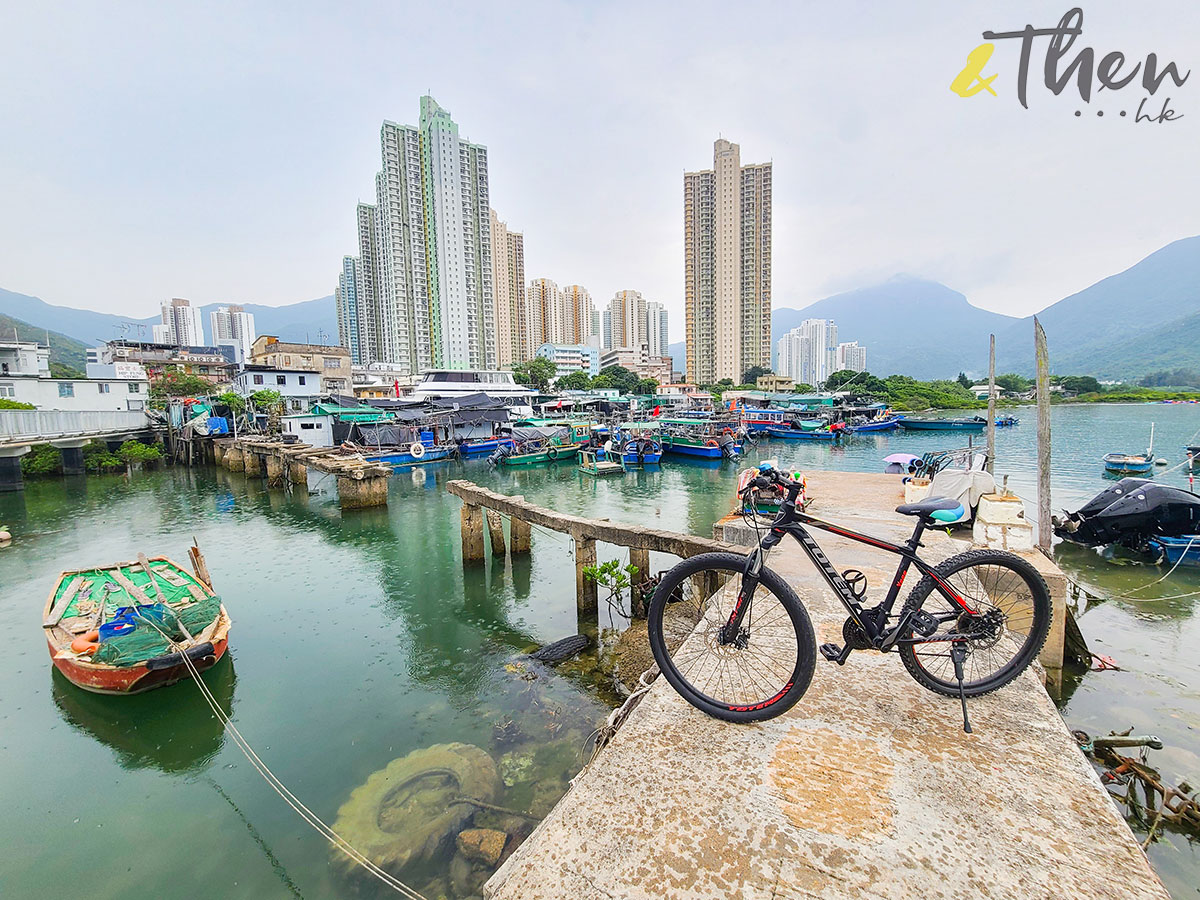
[[749, 656]]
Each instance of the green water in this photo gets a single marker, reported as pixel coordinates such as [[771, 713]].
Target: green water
[[358, 638]]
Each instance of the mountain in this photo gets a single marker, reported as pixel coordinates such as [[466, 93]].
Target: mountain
[[293, 322], [909, 326], [63, 349], [1137, 321], [678, 354]]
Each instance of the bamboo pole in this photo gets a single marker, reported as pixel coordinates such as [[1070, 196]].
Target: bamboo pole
[[1044, 539], [991, 412]]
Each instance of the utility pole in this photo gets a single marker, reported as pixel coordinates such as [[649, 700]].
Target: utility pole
[[991, 409]]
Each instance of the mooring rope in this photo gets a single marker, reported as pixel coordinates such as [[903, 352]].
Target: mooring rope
[[278, 786]]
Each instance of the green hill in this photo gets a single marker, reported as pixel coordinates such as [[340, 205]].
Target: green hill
[[63, 349]]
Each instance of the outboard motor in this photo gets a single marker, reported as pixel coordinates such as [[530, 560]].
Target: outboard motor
[[1131, 512], [728, 446], [500, 453]]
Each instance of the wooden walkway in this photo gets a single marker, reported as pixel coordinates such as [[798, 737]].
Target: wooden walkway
[[867, 788]]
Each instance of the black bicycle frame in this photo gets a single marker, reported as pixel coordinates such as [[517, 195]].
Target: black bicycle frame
[[872, 621]]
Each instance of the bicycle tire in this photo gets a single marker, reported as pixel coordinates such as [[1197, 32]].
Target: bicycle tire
[[1039, 597], [733, 565]]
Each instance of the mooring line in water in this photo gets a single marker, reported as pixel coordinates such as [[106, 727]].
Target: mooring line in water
[[278, 786], [276, 865]]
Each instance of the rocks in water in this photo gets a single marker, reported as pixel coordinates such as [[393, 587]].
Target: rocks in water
[[407, 812], [517, 766], [632, 656], [505, 731], [483, 845], [560, 650]]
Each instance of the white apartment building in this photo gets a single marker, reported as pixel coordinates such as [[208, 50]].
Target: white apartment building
[[627, 313], [25, 378], [234, 327], [572, 358], [181, 324], [420, 292], [851, 356], [657, 337], [727, 266]]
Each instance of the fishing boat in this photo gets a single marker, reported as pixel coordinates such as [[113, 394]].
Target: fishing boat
[[1128, 463], [973, 424], [1007, 421], [417, 453], [400, 445], [472, 447], [706, 439], [759, 420], [1131, 463], [889, 423], [534, 444], [832, 433], [639, 444], [1178, 551], [592, 462], [125, 628]]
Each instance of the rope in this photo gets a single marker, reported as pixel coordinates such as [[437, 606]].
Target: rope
[[278, 786], [606, 732]]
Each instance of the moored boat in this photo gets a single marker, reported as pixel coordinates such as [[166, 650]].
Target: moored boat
[[472, 447], [593, 462], [1007, 421], [639, 444], [973, 424], [124, 628], [1128, 463], [888, 423], [1178, 551], [541, 443], [707, 439], [833, 433]]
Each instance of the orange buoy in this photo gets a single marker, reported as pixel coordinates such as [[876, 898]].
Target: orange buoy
[[86, 643]]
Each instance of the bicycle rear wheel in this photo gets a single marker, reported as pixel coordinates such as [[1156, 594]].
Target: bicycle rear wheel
[[1013, 618], [759, 675]]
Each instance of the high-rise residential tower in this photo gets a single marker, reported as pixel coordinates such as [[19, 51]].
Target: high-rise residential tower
[[546, 314], [181, 324], [581, 310], [628, 310], [233, 326], [727, 267], [508, 286], [656, 329], [808, 354], [424, 276]]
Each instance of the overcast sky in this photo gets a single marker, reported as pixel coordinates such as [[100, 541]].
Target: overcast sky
[[216, 152]]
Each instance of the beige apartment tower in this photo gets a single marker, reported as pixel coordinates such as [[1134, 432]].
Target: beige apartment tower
[[727, 267], [508, 286]]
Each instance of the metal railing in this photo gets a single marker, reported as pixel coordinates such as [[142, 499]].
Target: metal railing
[[33, 425]]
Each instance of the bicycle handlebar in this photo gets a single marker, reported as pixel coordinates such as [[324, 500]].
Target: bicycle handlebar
[[769, 476]]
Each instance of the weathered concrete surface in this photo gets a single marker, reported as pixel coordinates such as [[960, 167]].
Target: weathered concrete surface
[[867, 788]]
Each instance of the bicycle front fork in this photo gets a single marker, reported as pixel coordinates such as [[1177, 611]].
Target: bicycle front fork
[[732, 631]]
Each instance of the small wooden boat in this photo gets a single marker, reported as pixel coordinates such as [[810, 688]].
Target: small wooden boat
[[475, 447], [973, 424], [1183, 550], [592, 463], [1007, 421], [640, 444], [832, 434], [124, 628], [1128, 463]]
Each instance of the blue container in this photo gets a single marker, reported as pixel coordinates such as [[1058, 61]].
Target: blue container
[[116, 628]]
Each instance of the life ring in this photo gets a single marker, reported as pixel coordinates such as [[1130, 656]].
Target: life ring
[[552, 453], [727, 431], [417, 450], [86, 644], [710, 443]]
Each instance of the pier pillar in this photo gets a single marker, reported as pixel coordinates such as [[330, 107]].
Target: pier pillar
[[274, 464], [235, 459], [72, 460], [253, 463], [471, 519], [585, 589], [218, 453], [362, 493], [495, 527], [641, 559], [10, 469], [297, 472], [519, 532]]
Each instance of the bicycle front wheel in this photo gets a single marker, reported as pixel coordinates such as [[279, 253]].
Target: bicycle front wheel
[[759, 674], [1001, 638]]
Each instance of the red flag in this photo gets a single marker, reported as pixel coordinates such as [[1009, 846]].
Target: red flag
[[396, 386], [559, 403], [657, 410]]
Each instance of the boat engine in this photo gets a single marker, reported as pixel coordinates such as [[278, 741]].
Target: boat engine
[[500, 453], [1129, 513]]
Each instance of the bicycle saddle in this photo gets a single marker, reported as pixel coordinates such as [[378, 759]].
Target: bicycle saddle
[[940, 509]]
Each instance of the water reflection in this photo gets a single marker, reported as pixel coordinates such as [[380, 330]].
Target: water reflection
[[170, 729]]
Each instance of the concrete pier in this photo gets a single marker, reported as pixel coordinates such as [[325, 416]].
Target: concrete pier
[[867, 788], [361, 483]]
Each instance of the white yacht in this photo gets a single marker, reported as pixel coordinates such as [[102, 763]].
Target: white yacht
[[446, 384]]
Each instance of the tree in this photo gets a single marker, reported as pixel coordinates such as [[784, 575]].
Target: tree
[[843, 376], [578, 380], [725, 382], [602, 383], [62, 370], [5, 403], [622, 378], [646, 386], [267, 400], [964, 380], [1081, 384], [751, 375], [1014, 383], [173, 383], [535, 372]]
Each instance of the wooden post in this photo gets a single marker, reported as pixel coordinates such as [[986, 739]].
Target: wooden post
[[495, 527], [585, 589], [519, 532], [274, 466], [641, 559], [1044, 538], [991, 425], [472, 533]]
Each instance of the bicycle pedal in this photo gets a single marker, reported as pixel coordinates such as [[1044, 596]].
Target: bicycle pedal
[[833, 653]]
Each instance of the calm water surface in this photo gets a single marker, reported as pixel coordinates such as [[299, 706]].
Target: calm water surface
[[359, 638]]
